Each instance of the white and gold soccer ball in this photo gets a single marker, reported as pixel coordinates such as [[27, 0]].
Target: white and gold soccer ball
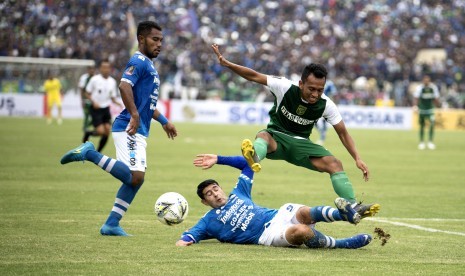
[[171, 208]]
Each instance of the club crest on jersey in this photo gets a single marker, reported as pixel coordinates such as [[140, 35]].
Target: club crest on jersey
[[301, 110], [130, 70]]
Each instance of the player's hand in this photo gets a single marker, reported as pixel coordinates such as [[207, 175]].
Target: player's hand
[[95, 105], [170, 130], [183, 243], [205, 161], [364, 168], [133, 125], [221, 59], [415, 108]]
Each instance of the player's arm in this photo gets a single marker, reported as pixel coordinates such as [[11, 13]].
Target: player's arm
[[195, 234], [349, 144], [245, 72], [127, 95], [206, 161], [168, 127]]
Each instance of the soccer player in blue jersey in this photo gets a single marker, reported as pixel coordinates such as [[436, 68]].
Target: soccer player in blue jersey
[[139, 88], [237, 219]]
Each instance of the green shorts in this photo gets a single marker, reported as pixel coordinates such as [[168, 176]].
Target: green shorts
[[425, 117], [295, 150]]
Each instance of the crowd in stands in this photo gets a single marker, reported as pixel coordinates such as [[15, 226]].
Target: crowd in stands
[[369, 47]]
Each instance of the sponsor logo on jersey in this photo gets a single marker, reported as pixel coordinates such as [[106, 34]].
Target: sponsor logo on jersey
[[294, 118], [301, 110], [130, 70]]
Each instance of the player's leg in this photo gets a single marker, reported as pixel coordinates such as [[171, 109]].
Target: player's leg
[[49, 108], [257, 151], [58, 104], [97, 123], [421, 122], [320, 240], [134, 157], [431, 132], [87, 151], [307, 215], [104, 137]]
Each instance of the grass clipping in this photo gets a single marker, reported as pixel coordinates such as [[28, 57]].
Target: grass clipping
[[382, 235]]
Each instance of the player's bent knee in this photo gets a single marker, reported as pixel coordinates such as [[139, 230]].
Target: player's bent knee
[[298, 234], [137, 178]]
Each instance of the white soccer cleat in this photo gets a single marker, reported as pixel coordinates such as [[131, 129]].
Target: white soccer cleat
[[431, 146], [421, 146]]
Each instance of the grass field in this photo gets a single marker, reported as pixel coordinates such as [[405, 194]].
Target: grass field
[[50, 214]]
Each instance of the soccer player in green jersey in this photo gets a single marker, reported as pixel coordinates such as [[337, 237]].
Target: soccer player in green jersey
[[426, 96], [297, 108]]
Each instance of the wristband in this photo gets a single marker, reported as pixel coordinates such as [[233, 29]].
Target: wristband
[[162, 119]]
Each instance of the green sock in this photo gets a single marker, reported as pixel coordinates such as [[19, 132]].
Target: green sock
[[342, 186], [431, 131], [261, 147]]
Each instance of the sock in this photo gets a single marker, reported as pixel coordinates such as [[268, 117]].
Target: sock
[[320, 240], [261, 147], [102, 143], [325, 213], [431, 130], [116, 168], [87, 134], [342, 186], [124, 197]]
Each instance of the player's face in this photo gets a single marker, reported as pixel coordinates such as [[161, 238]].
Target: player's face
[[312, 89], [214, 196], [151, 44], [105, 69]]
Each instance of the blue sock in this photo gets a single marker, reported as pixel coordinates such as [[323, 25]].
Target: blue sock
[[320, 240], [325, 213], [118, 169], [124, 197]]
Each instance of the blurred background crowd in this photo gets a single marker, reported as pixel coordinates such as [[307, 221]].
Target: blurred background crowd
[[371, 48]]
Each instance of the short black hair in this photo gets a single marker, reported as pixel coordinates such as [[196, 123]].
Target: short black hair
[[203, 185], [316, 69], [145, 27]]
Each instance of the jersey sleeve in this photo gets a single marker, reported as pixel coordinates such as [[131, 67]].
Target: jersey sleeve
[[278, 85], [331, 113], [243, 186], [82, 81], [435, 91], [90, 85], [417, 92], [198, 232], [134, 70]]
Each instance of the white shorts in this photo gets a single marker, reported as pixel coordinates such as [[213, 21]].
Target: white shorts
[[275, 229], [130, 149]]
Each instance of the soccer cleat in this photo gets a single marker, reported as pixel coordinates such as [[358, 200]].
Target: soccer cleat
[[346, 211], [354, 242], [108, 230], [249, 154], [77, 154], [431, 146], [421, 146], [366, 210]]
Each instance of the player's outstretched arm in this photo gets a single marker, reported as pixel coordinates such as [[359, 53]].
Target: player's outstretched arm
[[205, 161], [245, 72], [349, 144]]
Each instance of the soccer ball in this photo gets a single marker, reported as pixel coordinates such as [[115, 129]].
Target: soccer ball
[[171, 208]]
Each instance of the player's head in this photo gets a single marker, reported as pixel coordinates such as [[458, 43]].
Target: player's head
[[91, 70], [312, 82], [149, 37], [105, 68], [211, 193], [426, 79]]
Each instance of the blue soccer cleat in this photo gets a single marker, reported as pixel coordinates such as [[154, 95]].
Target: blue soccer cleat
[[354, 242], [77, 154], [108, 230], [347, 212]]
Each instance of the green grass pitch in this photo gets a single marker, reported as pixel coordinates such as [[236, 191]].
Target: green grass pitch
[[50, 214]]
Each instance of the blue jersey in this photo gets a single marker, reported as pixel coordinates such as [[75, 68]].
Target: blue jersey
[[330, 88], [240, 220], [143, 77]]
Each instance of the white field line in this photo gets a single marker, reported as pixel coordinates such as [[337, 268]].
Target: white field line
[[420, 219], [418, 227]]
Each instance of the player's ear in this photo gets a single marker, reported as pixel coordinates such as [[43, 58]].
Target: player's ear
[[140, 39]]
